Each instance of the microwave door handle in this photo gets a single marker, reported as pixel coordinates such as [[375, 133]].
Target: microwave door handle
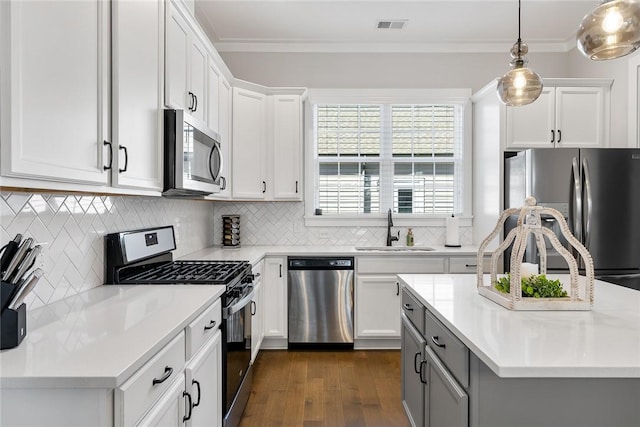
[[215, 149]]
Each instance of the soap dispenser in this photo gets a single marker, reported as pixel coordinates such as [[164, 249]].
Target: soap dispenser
[[409, 237]]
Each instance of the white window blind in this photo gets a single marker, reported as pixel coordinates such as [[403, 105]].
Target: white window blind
[[374, 157]]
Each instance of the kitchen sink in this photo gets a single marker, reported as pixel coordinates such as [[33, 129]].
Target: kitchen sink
[[394, 248]]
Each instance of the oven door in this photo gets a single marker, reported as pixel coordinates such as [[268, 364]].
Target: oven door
[[237, 346]]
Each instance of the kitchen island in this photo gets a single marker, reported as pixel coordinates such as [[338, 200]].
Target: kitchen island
[[523, 368]]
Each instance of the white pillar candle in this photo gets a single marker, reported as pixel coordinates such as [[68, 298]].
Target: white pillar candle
[[527, 269]]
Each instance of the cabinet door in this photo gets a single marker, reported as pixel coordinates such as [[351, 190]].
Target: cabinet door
[[249, 130], [178, 50], [257, 321], [213, 95], [224, 113], [580, 117], [413, 389], [275, 298], [530, 126], [446, 402], [204, 382], [169, 411], [377, 307], [198, 77], [54, 104], [137, 93], [287, 147]]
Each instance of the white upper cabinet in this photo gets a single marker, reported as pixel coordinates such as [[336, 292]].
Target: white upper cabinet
[[54, 104], [563, 116], [213, 96], [249, 141], [186, 66], [224, 121], [137, 73], [286, 146]]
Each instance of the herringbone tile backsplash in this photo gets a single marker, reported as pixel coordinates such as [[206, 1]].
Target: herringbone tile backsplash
[[282, 223], [71, 228]]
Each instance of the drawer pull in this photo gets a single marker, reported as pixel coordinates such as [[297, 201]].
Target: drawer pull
[[211, 325], [434, 339], [408, 307], [471, 265], [197, 384], [422, 379], [415, 362], [397, 288], [167, 373], [189, 406]]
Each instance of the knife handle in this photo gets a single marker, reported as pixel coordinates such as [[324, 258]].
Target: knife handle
[[10, 250]]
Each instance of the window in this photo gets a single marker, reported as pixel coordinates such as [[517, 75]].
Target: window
[[372, 156]]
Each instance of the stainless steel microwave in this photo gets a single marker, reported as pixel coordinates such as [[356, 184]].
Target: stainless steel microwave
[[192, 157]]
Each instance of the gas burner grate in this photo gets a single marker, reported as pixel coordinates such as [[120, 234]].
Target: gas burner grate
[[193, 272]]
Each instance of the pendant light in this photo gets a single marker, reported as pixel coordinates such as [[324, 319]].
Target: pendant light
[[611, 30], [521, 85]]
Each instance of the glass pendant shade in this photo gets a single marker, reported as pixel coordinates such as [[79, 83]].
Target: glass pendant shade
[[611, 30], [520, 86]]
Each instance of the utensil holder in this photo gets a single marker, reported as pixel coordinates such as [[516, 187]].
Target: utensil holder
[[13, 327]]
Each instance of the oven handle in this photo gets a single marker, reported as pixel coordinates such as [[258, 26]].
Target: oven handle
[[228, 311]]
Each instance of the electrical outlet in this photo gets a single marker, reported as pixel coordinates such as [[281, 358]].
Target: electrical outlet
[[324, 234]]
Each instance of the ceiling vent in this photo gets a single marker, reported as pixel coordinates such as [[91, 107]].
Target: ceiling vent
[[391, 24]]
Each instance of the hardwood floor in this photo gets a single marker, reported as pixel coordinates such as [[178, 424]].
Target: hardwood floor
[[326, 388]]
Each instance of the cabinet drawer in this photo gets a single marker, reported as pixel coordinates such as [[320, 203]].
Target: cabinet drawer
[[139, 392], [453, 353], [203, 328], [399, 264], [414, 310], [468, 264]]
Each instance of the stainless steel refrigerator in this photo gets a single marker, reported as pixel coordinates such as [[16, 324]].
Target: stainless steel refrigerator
[[598, 192]]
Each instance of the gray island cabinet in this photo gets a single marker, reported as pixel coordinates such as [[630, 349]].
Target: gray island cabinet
[[467, 361]]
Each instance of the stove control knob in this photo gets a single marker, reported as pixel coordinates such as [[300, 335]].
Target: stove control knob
[[248, 278]]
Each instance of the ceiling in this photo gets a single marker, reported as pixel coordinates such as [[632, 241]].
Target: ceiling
[[350, 25]]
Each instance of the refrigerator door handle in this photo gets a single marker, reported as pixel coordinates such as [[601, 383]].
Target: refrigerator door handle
[[587, 202], [575, 213]]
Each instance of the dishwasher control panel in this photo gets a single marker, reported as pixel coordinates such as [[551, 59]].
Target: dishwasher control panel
[[321, 263]]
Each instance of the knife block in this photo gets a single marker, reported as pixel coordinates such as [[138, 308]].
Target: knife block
[[13, 327], [6, 292]]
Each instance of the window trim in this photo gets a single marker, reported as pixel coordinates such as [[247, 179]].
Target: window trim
[[383, 96]]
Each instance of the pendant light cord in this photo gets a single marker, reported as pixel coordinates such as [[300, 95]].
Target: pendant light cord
[[519, 38]]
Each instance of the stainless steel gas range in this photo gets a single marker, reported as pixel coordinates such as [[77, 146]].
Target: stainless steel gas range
[[146, 257]]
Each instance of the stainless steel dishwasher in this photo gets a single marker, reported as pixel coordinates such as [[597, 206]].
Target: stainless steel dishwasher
[[320, 301]]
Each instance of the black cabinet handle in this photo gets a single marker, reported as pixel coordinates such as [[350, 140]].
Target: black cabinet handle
[[189, 406], [422, 379], [195, 105], [416, 367], [126, 158], [471, 265], [192, 101], [397, 288], [167, 373], [197, 384], [408, 307], [211, 325], [559, 136], [253, 308], [280, 270], [224, 183], [553, 135], [110, 155], [296, 187], [264, 187], [434, 339]]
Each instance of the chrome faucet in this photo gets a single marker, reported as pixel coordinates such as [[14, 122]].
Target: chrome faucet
[[390, 238]]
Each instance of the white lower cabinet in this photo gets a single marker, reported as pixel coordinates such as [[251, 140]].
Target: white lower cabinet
[[377, 308], [169, 411], [275, 300], [257, 312], [204, 385]]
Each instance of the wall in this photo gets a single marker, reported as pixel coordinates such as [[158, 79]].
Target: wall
[[71, 228], [282, 223]]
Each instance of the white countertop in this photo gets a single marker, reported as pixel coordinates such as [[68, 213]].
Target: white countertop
[[100, 337], [602, 342], [254, 254]]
